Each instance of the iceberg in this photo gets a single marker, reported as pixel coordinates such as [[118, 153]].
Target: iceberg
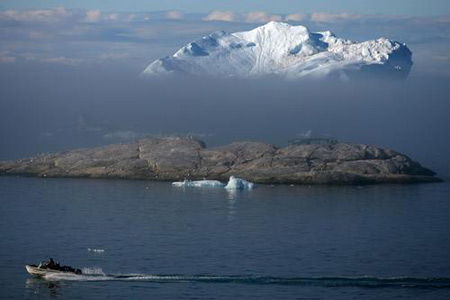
[[234, 183], [286, 51], [199, 183], [239, 184]]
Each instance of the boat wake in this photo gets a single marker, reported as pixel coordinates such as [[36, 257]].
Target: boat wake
[[362, 281]]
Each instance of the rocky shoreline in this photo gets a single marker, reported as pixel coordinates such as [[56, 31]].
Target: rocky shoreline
[[178, 158]]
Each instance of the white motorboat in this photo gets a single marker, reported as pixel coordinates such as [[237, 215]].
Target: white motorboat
[[42, 270]]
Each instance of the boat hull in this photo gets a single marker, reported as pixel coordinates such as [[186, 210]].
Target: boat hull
[[34, 270]]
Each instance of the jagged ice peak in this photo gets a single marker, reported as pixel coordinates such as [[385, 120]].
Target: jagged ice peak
[[282, 50]]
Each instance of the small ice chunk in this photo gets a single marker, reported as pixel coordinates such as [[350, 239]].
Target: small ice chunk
[[239, 184], [233, 184], [96, 250], [184, 183], [198, 183]]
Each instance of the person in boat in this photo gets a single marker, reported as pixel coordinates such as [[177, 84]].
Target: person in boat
[[50, 264]]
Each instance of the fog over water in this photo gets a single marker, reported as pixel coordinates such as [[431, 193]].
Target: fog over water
[[59, 108]]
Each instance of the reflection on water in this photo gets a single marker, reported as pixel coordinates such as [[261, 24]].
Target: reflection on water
[[40, 286], [232, 194], [231, 207]]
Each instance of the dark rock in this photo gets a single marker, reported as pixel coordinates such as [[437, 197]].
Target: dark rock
[[179, 158]]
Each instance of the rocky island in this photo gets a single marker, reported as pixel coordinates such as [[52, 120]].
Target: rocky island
[[178, 158]]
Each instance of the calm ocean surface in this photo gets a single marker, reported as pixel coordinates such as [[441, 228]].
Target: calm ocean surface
[[282, 242]]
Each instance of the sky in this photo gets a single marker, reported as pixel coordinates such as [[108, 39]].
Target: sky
[[396, 7]]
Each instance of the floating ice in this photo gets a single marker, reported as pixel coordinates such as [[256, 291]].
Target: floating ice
[[96, 250], [239, 184], [233, 184], [199, 183]]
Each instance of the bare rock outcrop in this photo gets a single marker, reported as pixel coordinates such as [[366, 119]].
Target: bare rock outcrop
[[175, 158]]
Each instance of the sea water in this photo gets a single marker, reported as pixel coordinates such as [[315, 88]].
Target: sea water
[[150, 240]]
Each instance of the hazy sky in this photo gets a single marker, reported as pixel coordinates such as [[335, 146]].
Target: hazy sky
[[401, 7]]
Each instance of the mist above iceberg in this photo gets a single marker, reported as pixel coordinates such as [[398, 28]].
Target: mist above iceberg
[[282, 50]]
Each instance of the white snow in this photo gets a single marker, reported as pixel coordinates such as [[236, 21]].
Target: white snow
[[281, 49]]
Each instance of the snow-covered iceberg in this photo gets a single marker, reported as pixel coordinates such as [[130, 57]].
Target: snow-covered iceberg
[[279, 49]]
